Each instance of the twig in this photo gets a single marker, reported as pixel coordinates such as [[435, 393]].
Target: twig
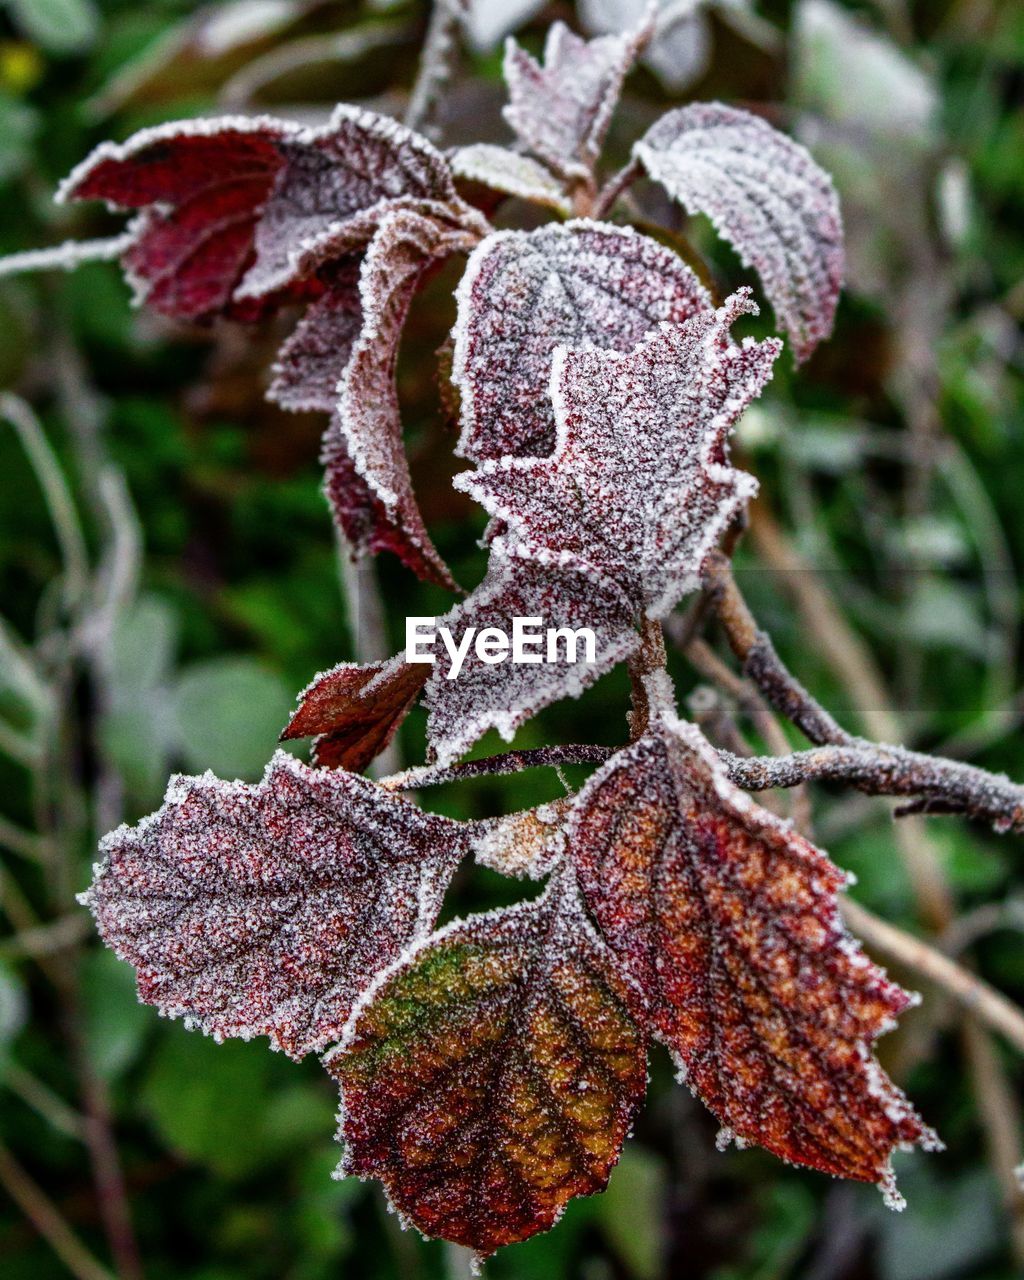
[[648, 658], [435, 69], [47, 1220], [42, 1099], [946, 786], [46, 939], [982, 1000], [614, 187], [66, 256], [507, 762]]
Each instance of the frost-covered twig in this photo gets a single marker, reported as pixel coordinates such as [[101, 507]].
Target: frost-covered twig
[[508, 762], [66, 256], [943, 786], [878, 768]]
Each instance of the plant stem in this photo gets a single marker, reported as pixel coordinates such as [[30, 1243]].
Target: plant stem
[[507, 762], [439, 48]]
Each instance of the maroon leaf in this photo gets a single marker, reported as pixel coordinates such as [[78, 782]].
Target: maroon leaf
[[725, 921], [333, 189], [767, 197], [525, 293], [312, 359], [639, 487], [561, 110], [354, 711], [202, 184], [267, 910], [504, 695], [492, 1074], [366, 429]]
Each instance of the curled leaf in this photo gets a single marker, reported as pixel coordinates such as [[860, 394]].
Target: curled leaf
[[767, 197], [354, 711], [492, 1074], [639, 487], [268, 909], [525, 293], [561, 110], [725, 921]]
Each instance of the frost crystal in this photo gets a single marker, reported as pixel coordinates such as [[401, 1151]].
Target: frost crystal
[[767, 197], [525, 293], [726, 923], [561, 110], [639, 487], [492, 1074], [266, 910]]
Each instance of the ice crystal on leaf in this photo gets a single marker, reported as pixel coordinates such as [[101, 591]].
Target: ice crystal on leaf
[[725, 921], [767, 197], [561, 109], [639, 487], [354, 711], [268, 909], [493, 1073], [526, 292]]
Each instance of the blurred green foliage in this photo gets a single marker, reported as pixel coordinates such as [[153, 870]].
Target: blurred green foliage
[[235, 605]]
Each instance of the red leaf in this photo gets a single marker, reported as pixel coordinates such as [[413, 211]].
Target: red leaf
[[492, 1074], [726, 922], [525, 293], [767, 197], [355, 711], [639, 487], [266, 910], [202, 184], [561, 110]]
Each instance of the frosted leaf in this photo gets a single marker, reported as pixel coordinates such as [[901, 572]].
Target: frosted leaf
[[493, 1074], [639, 487], [366, 428], [561, 110], [526, 292], [354, 711], [268, 909], [202, 184], [332, 190], [312, 359], [510, 172], [767, 197], [725, 921], [505, 695], [524, 845]]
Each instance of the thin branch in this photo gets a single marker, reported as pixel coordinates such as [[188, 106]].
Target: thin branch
[[43, 1101], [492, 766], [881, 769], [974, 994], [942, 786], [44, 1215], [614, 187], [66, 256]]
